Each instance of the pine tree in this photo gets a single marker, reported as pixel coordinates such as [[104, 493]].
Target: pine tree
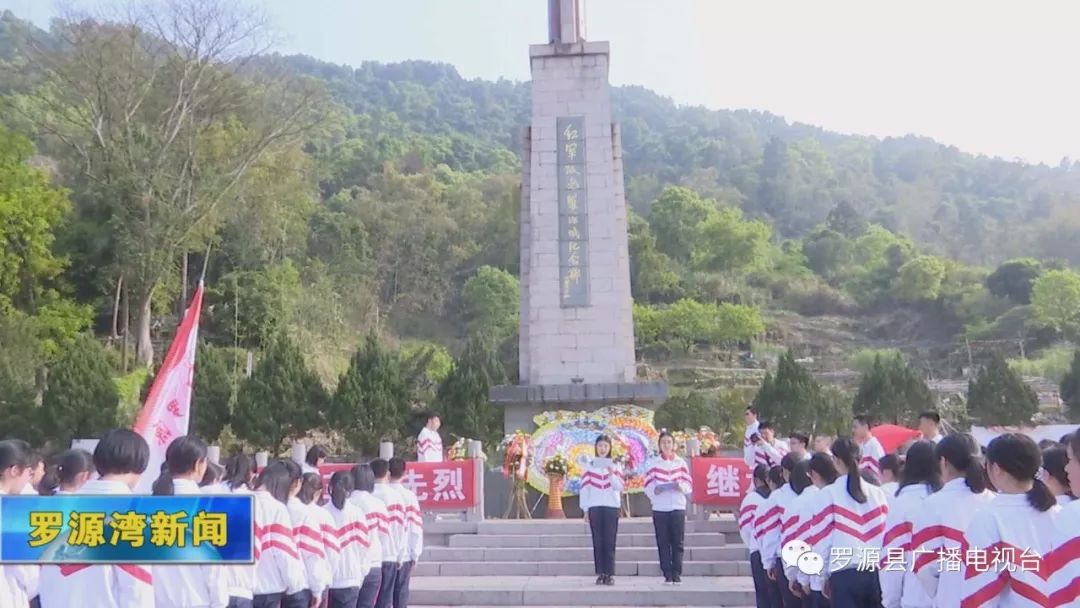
[[22, 418], [81, 399], [1070, 387], [211, 400], [999, 396], [282, 399], [370, 403], [463, 395], [892, 391], [792, 399]]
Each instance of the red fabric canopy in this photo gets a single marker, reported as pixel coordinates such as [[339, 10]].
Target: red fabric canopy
[[893, 436]]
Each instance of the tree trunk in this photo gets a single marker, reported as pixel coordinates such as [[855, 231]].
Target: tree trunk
[[116, 309], [144, 348]]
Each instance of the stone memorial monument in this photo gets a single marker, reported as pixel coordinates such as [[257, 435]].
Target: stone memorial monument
[[576, 341]]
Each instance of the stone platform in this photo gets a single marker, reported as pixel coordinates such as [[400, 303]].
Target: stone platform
[[549, 563]]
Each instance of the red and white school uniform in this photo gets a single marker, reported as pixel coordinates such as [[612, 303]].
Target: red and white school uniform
[[770, 454], [851, 532], [937, 539], [900, 588], [872, 453], [1011, 533], [766, 522], [19, 582], [414, 523], [194, 586], [394, 540], [239, 578], [429, 447], [1064, 563], [347, 544], [749, 449], [662, 470], [97, 586], [377, 519], [278, 566], [779, 501], [799, 518], [308, 534], [747, 512], [601, 487], [811, 507]]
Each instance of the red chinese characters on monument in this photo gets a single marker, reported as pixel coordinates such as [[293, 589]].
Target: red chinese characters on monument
[[719, 481], [439, 486]]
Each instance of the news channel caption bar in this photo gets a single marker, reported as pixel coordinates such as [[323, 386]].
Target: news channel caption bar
[[127, 529]]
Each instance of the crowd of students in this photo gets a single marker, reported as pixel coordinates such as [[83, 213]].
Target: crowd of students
[[945, 524], [352, 549]]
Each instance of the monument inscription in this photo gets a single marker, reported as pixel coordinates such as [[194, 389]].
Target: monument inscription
[[573, 212]]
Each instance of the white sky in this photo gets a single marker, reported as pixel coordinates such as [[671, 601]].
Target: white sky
[[993, 76]]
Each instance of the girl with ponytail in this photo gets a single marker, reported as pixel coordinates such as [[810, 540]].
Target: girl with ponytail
[[18, 583], [1022, 515], [920, 478], [347, 543], [853, 515], [1053, 474], [755, 498], [196, 585], [376, 516], [1065, 591], [66, 472], [307, 530], [311, 495], [278, 568]]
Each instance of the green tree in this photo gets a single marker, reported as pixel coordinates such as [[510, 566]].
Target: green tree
[[81, 400], [654, 277], [463, 395], [1014, 280], [22, 417], [999, 396], [676, 218], [690, 322], [282, 398], [491, 299], [370, 404], [892, 391], [726, 242], [846, 220], [827, 252], [920, 278], [791, 398], [211, 399], [1070, 387], [687, 411], [1055, 298]]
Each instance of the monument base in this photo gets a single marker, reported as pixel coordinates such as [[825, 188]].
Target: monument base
[[522, 403]]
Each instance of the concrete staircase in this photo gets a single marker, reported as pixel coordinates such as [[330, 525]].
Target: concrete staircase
[[549, 563]]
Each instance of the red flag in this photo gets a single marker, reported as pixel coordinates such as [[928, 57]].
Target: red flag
[[892, 436], [167, 411]]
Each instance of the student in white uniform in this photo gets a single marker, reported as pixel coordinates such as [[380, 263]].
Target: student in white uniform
[[667, 484], [213, 475], [309, 521], [813, 528], [767, 529], [194, 586], [279, 571], [748, 510], [240, 578], [600, 499], [376, 517], [394, 539], [1021, 515], [37, 464], [302, 521], [315, 458], [1055, 475], [750, 417], [889, 479], [1065, 583], [120, 458], [67, 472], [920, 478], [790, 529], [347, 543], [800, 446], [869, 446], [414, 533], [429, 446], [854, 515], [769, 450], [930, 427], [18, 583]]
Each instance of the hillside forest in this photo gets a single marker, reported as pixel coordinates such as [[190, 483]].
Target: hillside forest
[[356, 228]]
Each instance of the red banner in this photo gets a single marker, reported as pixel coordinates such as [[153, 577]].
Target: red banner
[[719, 481], [440, 486]]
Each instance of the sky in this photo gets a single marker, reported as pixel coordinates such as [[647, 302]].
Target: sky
[[995, 77]]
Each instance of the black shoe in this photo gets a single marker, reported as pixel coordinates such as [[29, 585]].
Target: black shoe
[[668, 581], [600, 580], [609, 580], [676, 579]]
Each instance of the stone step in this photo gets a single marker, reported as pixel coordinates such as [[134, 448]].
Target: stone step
[[631, 525], [579, 591], [574, 568], [575, 554], [581, 539]]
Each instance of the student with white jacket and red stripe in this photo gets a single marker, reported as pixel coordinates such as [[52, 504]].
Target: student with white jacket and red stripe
[[121, 457], [812, 527], [413, 545], [312, 526], [18, 583], [600, 498], [781, 498], [1021, 517], [240, 578], [194, 586], [393, 540], [279, 571], [793, 527], [66, 472], [1065, 582], [919, 479], [376, 517], [853, 516], [347, 543], [308, 538], [749, 449], [667, 483], [767, 531], [869, 447], [753, 501]]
